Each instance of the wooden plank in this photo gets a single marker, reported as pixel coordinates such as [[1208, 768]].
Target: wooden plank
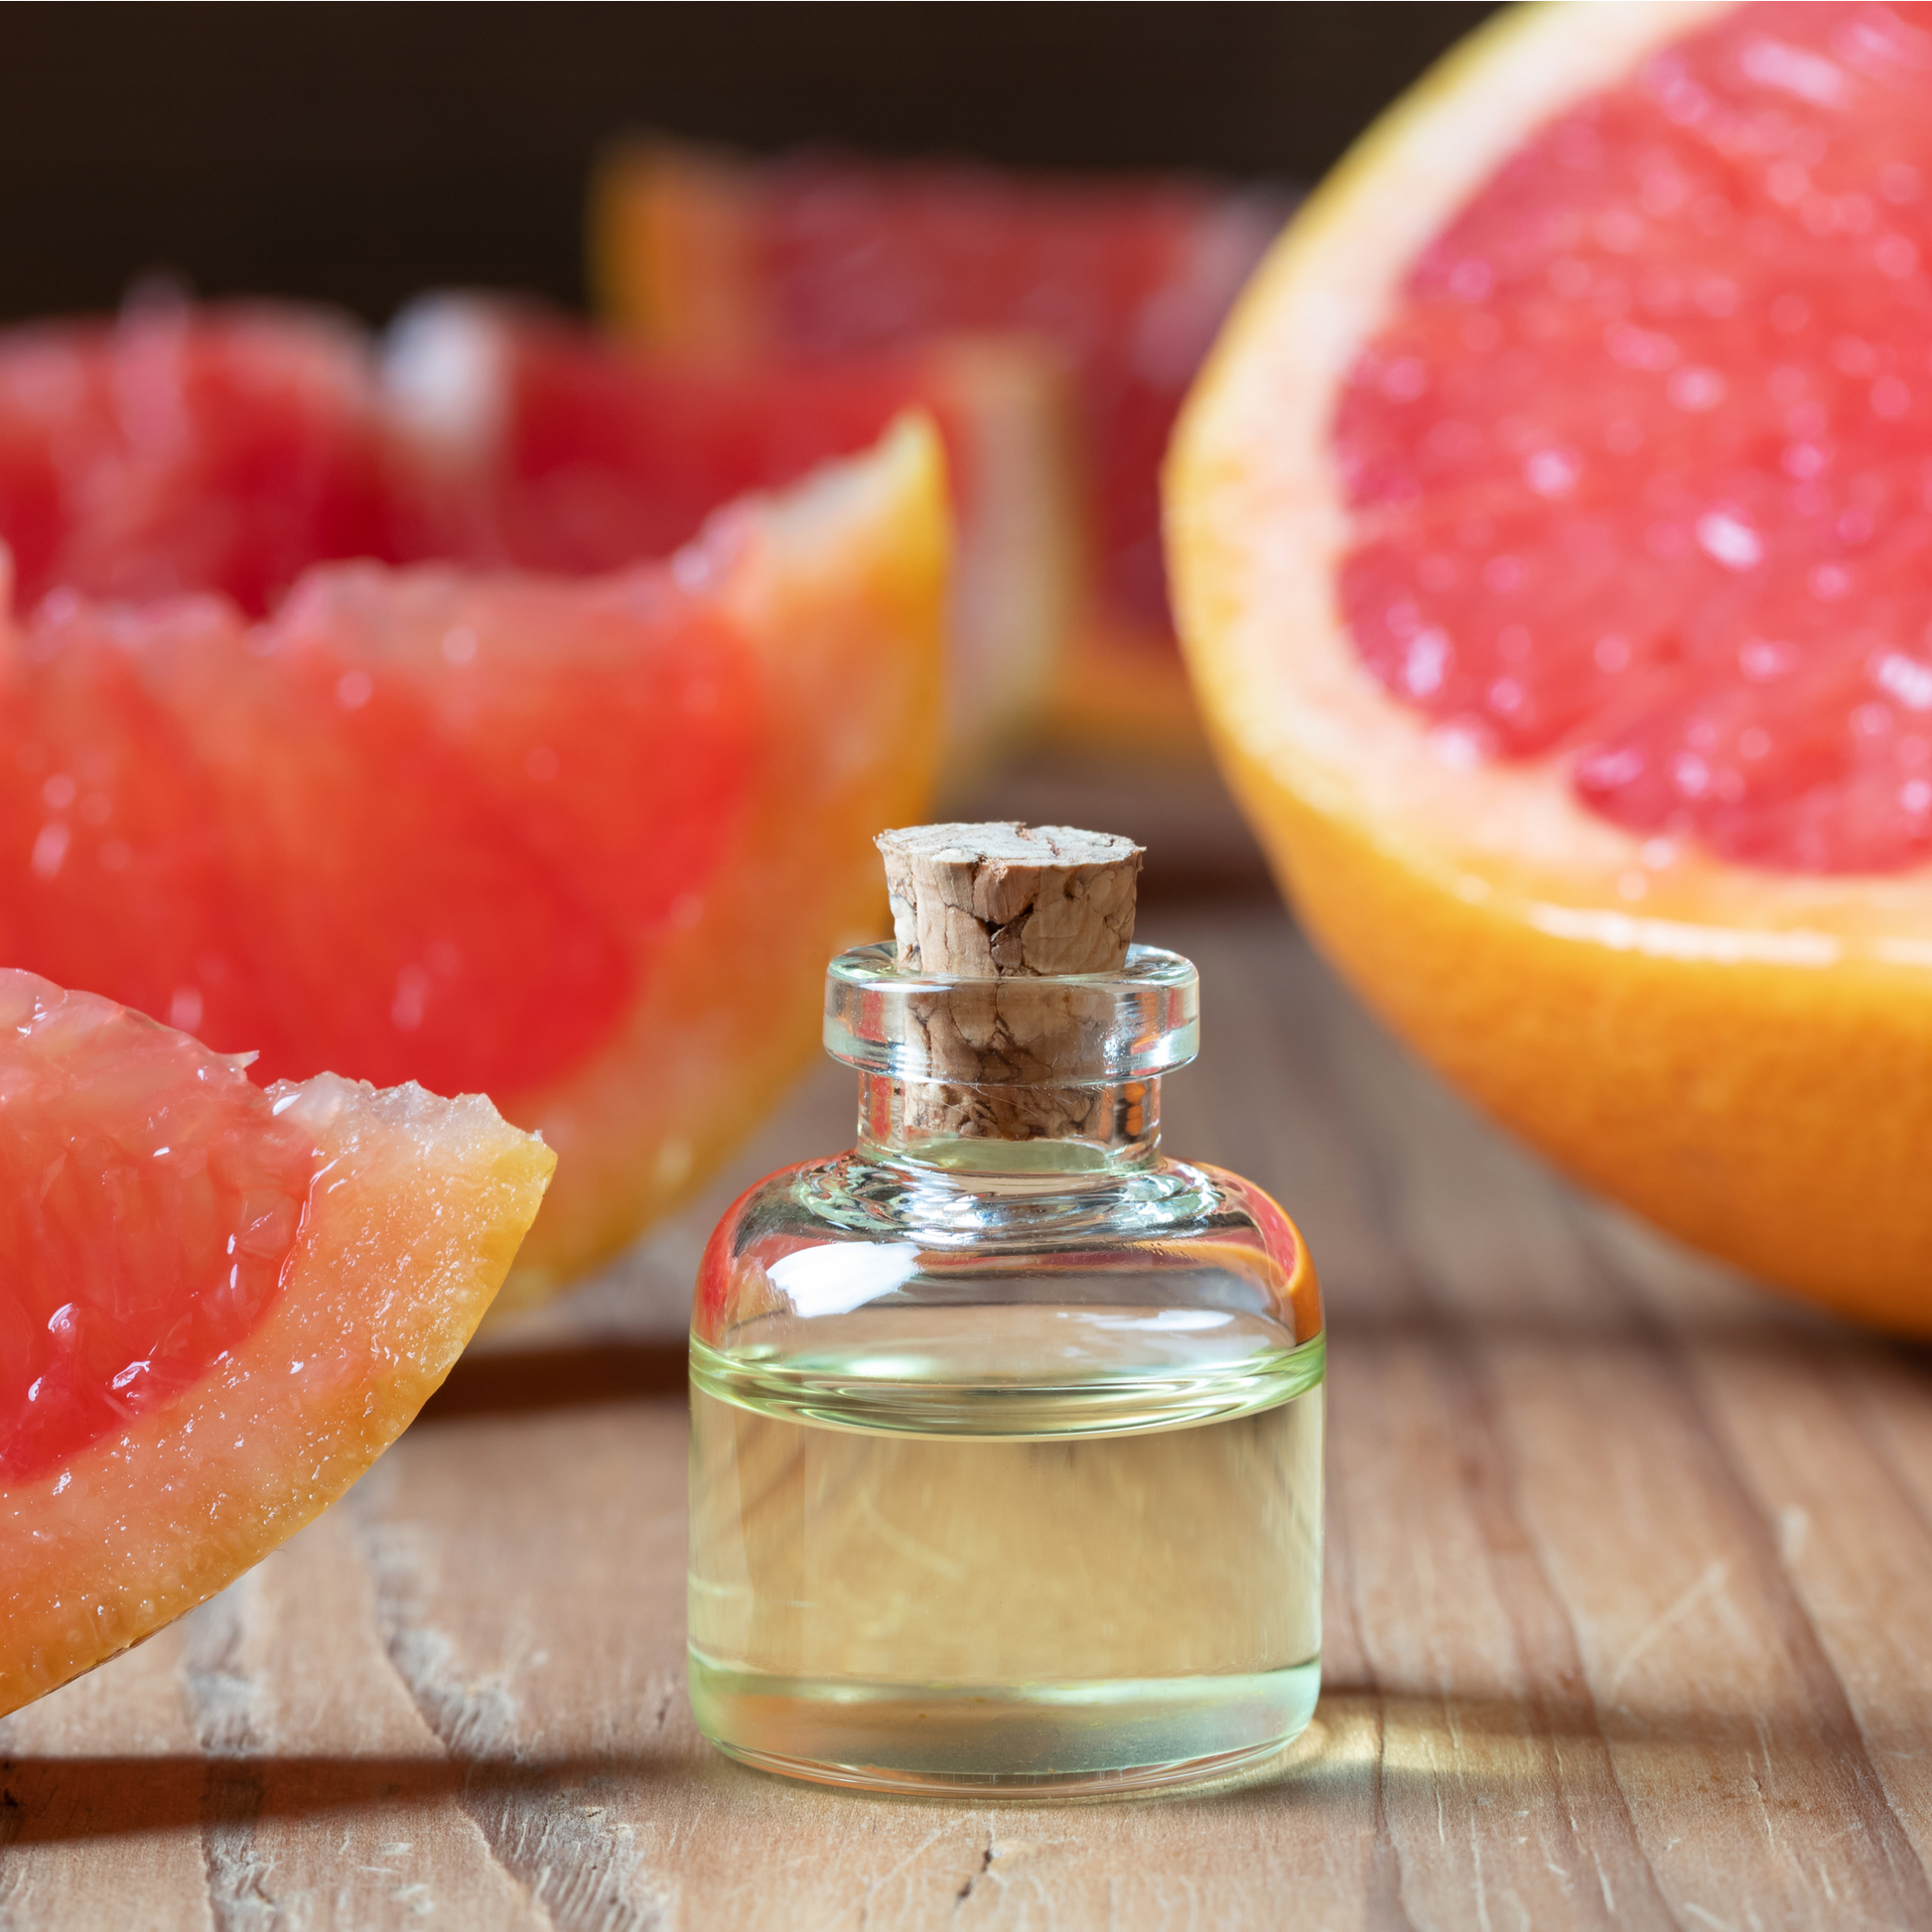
[[1624, 1606], [1742, 1792]]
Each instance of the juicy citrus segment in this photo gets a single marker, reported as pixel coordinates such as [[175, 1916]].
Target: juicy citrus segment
[[841, 586], [296, 1269], [1717, 1044], [179, 449], [821, 255], [112, 882], [391, 929], [545, 690], [149, 1199], [1636, 462]]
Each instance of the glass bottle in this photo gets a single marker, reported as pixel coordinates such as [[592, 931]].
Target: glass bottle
[[1006, 1452]]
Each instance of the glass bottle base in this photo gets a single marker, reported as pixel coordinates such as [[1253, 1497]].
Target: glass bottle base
[[1003, 1741]]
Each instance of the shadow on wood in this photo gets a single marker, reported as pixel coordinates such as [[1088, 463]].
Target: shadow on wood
[[1360, 1743], [574, 1375], [59, 1800]]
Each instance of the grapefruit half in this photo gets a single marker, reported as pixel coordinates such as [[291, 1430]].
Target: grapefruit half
[[711, 254], [1551, 535], [219, 1306], [577, 835]]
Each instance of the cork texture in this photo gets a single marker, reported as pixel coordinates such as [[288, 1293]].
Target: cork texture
[[1015, 908]]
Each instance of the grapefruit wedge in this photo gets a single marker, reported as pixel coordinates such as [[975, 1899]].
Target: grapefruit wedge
[[220, 1305], [296, 754], [1551, 535], [706, 253]]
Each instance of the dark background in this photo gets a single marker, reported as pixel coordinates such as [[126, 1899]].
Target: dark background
[[358, 153]]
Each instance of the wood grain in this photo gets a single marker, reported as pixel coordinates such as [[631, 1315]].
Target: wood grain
[[1626, 1606]]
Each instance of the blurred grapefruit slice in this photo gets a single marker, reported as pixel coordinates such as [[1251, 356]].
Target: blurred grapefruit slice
[[1549, 532], [830, 597], [177, 449], [536, 445], [492, 828], [219, 1306], [712, 254]]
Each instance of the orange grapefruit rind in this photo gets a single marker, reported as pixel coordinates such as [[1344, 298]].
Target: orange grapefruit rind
[[1730, 1052], [415, 1211], [671, 240]]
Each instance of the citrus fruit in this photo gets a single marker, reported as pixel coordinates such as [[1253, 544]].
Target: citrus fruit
[[179, 448], [1549, 533], [220, 1305], [536, 445], [823, 256], [493, 828]]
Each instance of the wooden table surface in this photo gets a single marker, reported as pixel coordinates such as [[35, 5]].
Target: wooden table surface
[[1629, 1606]]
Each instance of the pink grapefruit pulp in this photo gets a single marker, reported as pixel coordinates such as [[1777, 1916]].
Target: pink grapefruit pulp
[[219, 1305], [1638, 463]]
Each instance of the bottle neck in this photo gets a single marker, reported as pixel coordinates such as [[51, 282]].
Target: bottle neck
[[1052, 1076], [1031, 1130]]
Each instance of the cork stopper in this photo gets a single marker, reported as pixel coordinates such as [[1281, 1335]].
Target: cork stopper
[[1012, 905], [1006, 899]]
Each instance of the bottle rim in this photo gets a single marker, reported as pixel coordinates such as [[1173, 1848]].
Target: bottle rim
[[1079, 1029]]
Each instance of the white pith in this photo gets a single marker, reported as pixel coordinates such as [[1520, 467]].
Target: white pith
[[1257, 528]]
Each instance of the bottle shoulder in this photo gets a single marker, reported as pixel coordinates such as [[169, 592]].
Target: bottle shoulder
[[827, 1238]]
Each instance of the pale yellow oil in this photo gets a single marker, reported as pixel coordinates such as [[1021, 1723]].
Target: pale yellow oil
[[1008, 1548]]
